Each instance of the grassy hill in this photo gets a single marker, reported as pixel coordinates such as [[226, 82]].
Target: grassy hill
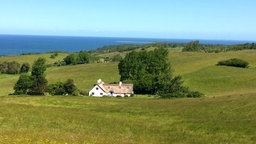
[[226, 115], [199, 71], [226, 119]]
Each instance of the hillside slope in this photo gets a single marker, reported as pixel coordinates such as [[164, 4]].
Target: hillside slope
[[199, 72]]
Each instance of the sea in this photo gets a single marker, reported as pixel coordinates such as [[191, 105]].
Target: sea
[[24, 44]]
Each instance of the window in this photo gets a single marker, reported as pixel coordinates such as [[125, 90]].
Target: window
[[97, 88], [101, 93], [93, 93]]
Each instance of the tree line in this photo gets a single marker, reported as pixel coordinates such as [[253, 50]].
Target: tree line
[[195, 46]]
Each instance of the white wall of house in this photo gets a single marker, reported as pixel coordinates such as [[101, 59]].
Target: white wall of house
[[97, 92], [116, 94]]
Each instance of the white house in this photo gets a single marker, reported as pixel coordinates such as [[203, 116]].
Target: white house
[[100, 89]]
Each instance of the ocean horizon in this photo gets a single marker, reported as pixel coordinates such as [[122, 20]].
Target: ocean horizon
[[23, 44]]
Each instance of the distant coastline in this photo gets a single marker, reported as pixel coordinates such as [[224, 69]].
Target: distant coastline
[[20, 44]]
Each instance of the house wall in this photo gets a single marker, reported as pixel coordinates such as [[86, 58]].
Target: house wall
[[116, 94], [97, 92]]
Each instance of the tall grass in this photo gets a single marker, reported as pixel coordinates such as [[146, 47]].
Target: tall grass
[[111, 120]]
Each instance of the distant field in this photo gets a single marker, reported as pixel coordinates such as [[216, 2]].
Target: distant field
[[226, 119], [226, 115], [199, 71]]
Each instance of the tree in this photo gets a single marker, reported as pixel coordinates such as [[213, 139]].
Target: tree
[[83, 57], [147, 70], [192, 46], [13, 67], [71, 59], [70, 87], [39, 67], [151, 73], [39, 85], [61, 88], [23, 84], [24, 68], [56, 88], [3, 67]]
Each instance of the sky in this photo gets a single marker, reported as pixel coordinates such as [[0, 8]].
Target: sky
[[174, 19]]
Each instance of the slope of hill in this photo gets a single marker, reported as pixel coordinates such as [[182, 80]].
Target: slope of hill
[[199, 71], [226, 119]]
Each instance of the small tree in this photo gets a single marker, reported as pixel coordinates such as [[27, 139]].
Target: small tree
[[56, 88], [13, 67], [24, 68], [23, 84], [70, 87], [39, 85]]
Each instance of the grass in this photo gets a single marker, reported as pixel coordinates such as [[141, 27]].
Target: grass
[[199, 71], [226, 115], [30, 58], [134, 120]]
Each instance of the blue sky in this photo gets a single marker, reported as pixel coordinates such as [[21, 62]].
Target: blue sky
[[186, 19]]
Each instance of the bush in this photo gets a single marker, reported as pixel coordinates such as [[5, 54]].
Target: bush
[[235, 62], [61, 88]]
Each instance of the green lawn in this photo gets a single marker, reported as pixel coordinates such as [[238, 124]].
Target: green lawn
[[199, 72], [226, 119], [226, 115]]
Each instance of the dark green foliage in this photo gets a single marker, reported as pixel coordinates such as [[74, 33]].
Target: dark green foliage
[[235, 62], [150, 72], [70, 59], [10, 67], [56, 88], [70, 87], [61, 88], [54, 55], [83, 57], [79, 58], [39, 85], [25, 68], [13, 67], [39, 67], [23, 84], [192, 46], [195, 46], [3, 67]]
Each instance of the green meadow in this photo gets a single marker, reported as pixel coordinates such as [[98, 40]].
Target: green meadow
[[226, 115]]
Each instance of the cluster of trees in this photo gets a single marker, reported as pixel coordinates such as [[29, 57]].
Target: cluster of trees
[[14, 67], [36, 83], [82, 57], [195, 46], [61, 88], [151, 73], [235, 62]]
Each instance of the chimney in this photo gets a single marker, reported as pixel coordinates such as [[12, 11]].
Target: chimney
[[120, 83], [99, 81]]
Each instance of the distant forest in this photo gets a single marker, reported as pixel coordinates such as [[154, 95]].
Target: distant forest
[[196, 46]]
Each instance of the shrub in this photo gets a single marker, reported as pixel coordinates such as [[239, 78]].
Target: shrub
[[235, 62], [25, 68]]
